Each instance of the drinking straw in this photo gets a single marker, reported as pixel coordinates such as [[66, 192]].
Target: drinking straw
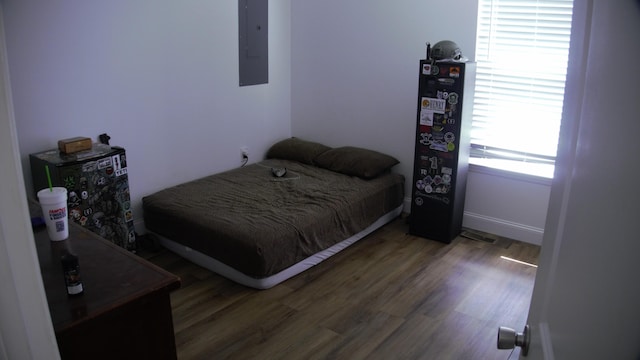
[[46, 169]]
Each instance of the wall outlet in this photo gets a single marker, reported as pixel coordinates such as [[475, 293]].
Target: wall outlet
[[244, 152]]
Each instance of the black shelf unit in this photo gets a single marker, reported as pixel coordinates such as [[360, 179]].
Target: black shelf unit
[[445, 98]]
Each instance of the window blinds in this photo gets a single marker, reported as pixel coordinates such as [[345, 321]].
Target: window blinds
[[522, 52]]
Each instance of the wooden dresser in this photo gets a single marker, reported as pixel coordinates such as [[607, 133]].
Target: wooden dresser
[[125, 311]]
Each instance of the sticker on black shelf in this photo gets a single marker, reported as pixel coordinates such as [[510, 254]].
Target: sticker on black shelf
[[442, 94], [449, 137], [69, 182], [434, 162], [116, 162], [434, 104], [104, 163], [426, 69], [75, 213], [453, 98], [74, 199], [90, 166], [446, 81], [439, 146], [433, 196], [429, 107], [425, 139], [426, 117]]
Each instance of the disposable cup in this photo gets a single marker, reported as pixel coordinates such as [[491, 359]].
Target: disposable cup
[[54, 210]]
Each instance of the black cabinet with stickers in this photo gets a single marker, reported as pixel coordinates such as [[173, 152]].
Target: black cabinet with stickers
[[97, 187], [445, 97]]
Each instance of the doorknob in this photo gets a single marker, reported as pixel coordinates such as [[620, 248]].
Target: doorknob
[[509, 339]]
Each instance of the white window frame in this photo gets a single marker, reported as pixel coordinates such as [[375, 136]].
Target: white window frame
[[522, 55]]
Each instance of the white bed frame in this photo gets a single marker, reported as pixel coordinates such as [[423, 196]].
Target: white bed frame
[[268, 282]]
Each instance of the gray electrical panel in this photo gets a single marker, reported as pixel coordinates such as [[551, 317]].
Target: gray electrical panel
[[253, 43]]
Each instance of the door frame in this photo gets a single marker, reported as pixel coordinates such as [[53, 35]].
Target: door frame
[[26, 331]]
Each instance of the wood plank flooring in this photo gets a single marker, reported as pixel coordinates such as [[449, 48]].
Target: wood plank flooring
[[389, 296]]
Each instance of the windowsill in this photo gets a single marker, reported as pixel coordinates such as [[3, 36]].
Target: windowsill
[[536, 173]]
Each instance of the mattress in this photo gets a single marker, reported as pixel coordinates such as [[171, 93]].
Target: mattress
[[258, 225]]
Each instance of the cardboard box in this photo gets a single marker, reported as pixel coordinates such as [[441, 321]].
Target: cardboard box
[[74, 145]]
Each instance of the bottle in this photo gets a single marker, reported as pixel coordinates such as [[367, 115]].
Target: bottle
[[71, 269]]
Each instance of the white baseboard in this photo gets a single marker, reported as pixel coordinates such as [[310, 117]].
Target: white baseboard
[[407, 205], [138, 225], [500, 227], [505, 228]]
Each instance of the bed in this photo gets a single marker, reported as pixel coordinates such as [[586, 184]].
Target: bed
[[258, 229]]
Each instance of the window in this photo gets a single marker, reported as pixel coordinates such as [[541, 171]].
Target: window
[[522, 49]]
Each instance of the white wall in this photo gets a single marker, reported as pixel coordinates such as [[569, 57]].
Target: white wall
[[355, 82], [507, 204], [355, 65], [160, 77]]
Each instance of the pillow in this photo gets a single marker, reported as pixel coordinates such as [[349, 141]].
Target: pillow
[[354, 161], [296, 149]]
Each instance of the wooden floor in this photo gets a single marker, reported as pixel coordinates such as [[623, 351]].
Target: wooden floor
[[389, 296]]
